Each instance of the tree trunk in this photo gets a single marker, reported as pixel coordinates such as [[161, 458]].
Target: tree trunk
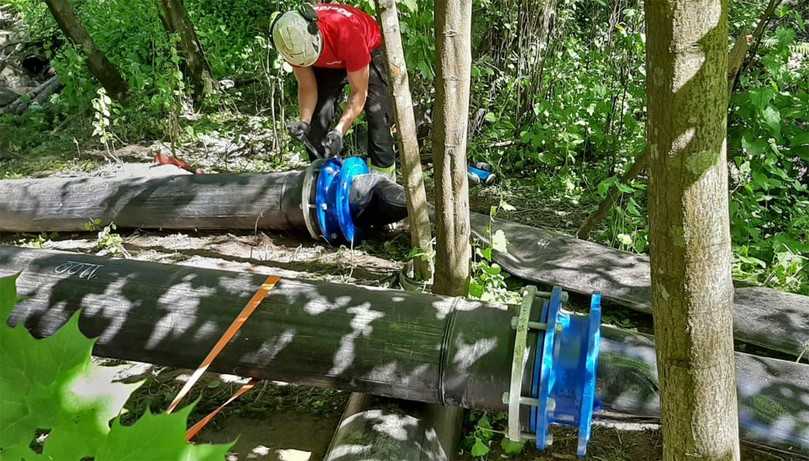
[[536, 20], [420, 233], [692, 290], [453, 20], [175, 19], [101, 68]]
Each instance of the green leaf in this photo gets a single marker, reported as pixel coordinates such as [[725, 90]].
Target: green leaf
[[52, 384], [476, 289], [8, 296], [605, 185], [773, 120], [800, 139], [625, 188], [490, 117], [479, 449], [411, 5], [761, 97], [510, 447], [755, 147], [499, 241], [165, 434]]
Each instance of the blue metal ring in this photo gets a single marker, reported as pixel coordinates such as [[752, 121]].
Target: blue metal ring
[[332, 199], [325, 200], [548, 376], [533, 413], [352, 167], [590, 374]]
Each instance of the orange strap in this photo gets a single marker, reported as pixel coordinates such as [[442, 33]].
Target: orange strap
[[199, 425], [227, 336]]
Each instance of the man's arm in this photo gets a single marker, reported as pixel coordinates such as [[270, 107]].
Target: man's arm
[[307, 92], [358, 81]]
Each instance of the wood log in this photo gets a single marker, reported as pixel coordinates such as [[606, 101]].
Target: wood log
[[385, 342]]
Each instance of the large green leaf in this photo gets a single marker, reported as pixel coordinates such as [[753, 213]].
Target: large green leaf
[[773, 120], [52, 384], [8, 297], [157, 437]]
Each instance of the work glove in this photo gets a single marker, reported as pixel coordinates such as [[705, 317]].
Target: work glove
[[333, 143], [298, 129]]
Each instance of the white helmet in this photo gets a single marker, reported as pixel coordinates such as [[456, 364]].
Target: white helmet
[[297, 38]]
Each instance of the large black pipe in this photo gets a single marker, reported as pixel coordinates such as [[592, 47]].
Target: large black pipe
[[384, 342], [763, 317], [269, 201]]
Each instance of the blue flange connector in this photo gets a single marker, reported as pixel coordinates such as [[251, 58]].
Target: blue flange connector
[[563, 377], [332, 208]]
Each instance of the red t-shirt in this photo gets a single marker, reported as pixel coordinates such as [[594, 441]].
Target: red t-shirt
[[349, 35]]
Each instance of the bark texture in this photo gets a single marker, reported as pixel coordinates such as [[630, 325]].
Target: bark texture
[[418, 214], [175, 19], [692, 290], [101, 68], [453, 20]]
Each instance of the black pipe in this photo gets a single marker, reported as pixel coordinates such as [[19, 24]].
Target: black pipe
[[384, 342], [270, 201]]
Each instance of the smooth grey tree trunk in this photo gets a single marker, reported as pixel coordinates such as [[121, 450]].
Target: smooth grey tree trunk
[[421, 236], [453, 20], [692, 290], [101, 68]]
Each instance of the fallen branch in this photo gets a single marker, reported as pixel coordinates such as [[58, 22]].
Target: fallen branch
[[37, 95]]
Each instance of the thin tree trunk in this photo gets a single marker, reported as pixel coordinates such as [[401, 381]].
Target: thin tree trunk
[[420, 232], [101, 68], [692, 290], [175, 19], [735, 63], [453, 20], [757, 36]]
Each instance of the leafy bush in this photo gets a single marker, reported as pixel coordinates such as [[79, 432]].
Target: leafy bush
[[769, 148]]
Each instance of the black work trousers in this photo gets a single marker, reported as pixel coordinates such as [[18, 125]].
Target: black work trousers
[[378, 114]]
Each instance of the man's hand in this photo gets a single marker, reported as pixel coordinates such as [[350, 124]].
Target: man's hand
[[298, 129], [333, 143]]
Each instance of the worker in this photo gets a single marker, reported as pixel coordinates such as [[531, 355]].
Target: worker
[[330, 46]]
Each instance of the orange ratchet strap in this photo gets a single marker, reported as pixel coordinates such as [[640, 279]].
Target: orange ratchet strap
[[227, 336]]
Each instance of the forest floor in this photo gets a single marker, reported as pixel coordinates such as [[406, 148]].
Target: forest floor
[[278, 421]]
